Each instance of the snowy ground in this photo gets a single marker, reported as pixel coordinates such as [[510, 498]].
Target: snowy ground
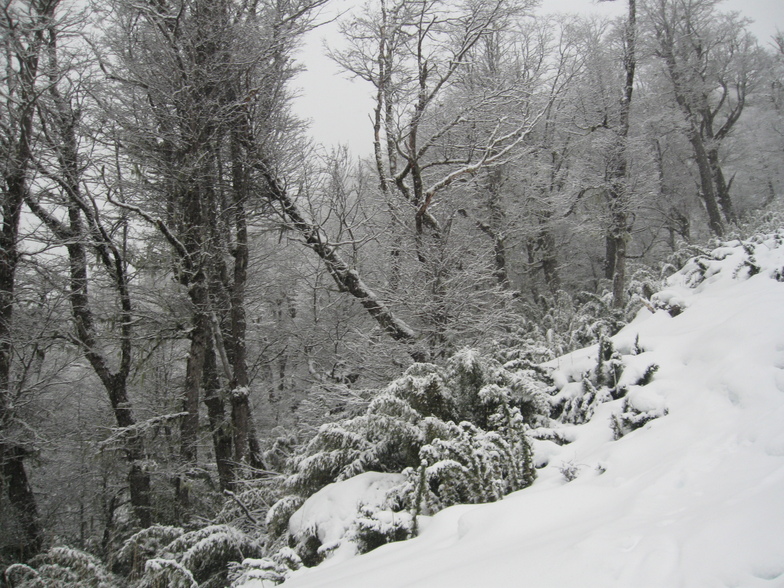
[[694, 498]]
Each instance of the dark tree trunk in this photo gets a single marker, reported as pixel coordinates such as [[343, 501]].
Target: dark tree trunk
[[12, 466], [216, 413], [21, 95], [22, 499], [200, 332], [707, 189], [722, 188]]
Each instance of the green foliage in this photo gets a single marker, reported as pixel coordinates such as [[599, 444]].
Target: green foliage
[[269, 570], [61, 567], [170, 556], [139, 547], [410, 427], [647, 377], [600, 384], [279, 514], [425, 389], [573, 322], [374, 528], [631, 418], [411, 412], [472, 467], [207, 552], [166, 573]]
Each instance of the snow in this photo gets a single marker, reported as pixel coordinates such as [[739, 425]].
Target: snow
[[328, 514], [694, 498]]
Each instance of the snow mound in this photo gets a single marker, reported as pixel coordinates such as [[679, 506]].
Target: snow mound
[[329, 513], [692, 498]]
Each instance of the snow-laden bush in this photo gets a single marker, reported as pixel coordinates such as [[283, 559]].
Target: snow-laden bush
[[637, 410], [410, 425], [410, 413], [142, 546], [170, 556], [473, 466], [268, 570], [328, 520], [166, 573], [374, 528], [575, 404], [63, 567]]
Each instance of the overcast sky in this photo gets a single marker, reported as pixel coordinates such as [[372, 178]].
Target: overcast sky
[[339, 109]]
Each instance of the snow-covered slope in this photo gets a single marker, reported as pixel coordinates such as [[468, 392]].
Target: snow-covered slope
[[693, 498]]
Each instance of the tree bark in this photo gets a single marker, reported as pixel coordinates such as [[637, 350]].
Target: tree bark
[[216, 413], [620, 234]]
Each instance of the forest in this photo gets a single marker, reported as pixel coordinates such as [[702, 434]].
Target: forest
[[206, 318]]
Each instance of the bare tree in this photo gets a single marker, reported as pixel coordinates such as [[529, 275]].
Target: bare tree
[[62, 165], [22, 28], [710, 59], [203, 93]]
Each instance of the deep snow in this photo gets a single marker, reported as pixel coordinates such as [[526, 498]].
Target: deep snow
[[693, 498]]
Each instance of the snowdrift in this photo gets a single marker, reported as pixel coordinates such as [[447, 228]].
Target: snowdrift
[[694, 497]]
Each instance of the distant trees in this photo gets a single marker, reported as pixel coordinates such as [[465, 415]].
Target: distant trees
[[711, 62]]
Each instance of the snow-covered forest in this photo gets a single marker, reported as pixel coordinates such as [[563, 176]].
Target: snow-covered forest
[[230, 356]]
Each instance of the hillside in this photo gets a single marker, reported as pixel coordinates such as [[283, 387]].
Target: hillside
[[694, 497]]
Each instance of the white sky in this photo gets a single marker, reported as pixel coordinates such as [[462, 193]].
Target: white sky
[[339, 109]]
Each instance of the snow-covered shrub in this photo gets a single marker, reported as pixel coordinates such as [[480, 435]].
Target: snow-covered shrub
[[424, 387], [569, 470], [609, 379], [142, 546], [598, 385], [472, 467], [410, 425], [279, 513], [575, 322], [63, 567], [166, 573], [207, 552], [325, 521], [412, 412], [170, 556], [631, 417], [274, 569], [469, 373], [386, 439], [18, 574], [374, 528]]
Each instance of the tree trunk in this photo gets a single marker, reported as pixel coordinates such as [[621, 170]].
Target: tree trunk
[[620, 233], [12, 465], [216, 413], [22, 499], [707, 190], [722, 188], [200, 332], [15, 146], [346, 278]]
